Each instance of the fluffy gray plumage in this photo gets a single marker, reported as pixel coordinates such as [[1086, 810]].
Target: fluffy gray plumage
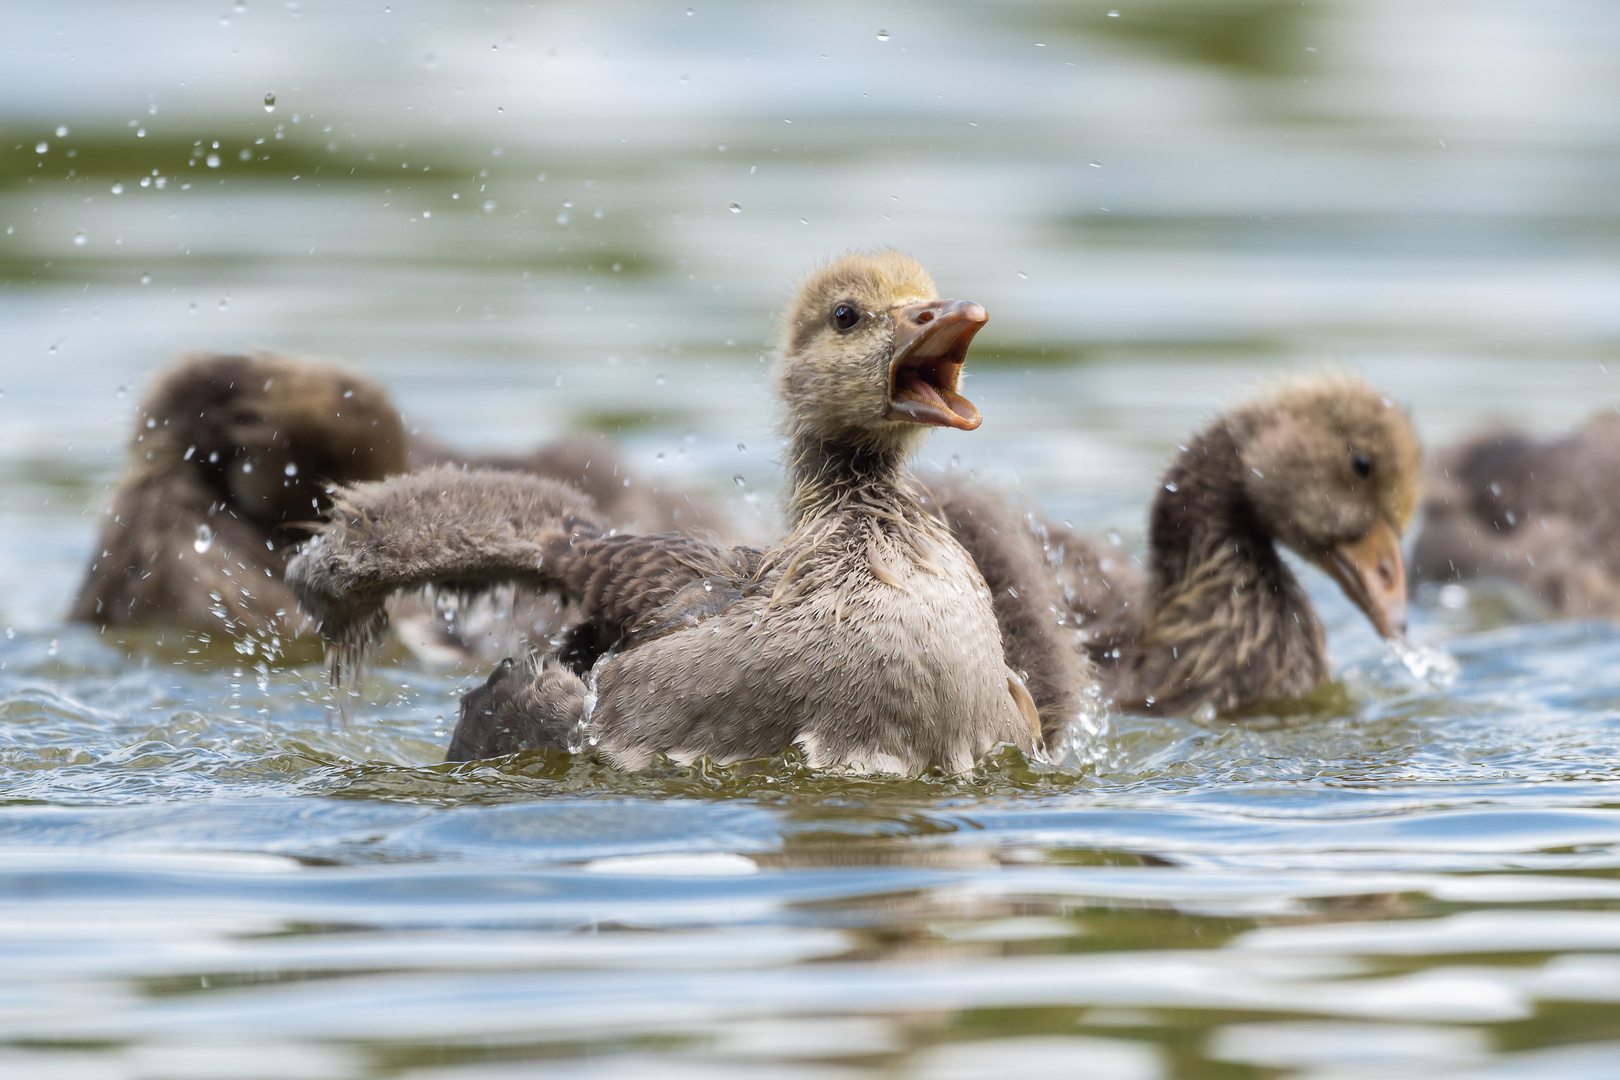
[[459, 530], [594, 465], [1039, 631], [1322, 464], [1541, 512], [230, 460], [867, 637]]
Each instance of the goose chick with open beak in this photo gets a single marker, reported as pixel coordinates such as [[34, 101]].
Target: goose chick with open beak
[[866, 637]]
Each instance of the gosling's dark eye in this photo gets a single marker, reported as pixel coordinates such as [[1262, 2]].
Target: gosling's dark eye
[[1362, 464], [845, 316]]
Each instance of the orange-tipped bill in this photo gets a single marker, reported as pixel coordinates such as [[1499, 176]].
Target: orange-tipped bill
[[1373, 575], [930, 346]]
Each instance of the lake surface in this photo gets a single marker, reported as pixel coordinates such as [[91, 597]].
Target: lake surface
[[529, 220]]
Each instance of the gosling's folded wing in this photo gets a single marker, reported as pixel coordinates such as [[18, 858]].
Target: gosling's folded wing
[[1038, 631]]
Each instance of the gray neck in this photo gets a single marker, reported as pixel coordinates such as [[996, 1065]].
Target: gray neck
[[824, 472]]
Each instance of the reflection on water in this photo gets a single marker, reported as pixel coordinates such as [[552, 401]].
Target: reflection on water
[[531, 219]]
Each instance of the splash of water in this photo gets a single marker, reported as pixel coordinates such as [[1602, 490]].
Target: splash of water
[[1432, 666]]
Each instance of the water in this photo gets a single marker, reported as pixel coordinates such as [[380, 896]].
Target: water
[[521, 220]]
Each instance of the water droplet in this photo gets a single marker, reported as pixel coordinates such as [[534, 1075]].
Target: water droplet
[[50, 650], [617, 267], [562, 219], [1171, 487], [735, 209], [61, 132], [1113, 14], [146, 279], [42, 147], [883, 35], [204, 539], [429, 60], [738, 480], [688, 13], [291, 469], [117, 188], [1095, 164], [1023, 276], [1453, 597], [247, 466], [122, 391], [1114, 537], [660, 380], [213, 161], [79, 239], [140, 133], [741, 449], [489, 206], [270, 102]]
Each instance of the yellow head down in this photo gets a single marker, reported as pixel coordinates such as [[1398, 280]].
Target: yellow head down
[[1332, 468]]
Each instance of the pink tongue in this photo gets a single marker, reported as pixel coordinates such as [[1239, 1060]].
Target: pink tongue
[[918, 387]]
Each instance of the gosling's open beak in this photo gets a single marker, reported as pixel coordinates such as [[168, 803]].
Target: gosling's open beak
[[930, 346], [1373, 576]]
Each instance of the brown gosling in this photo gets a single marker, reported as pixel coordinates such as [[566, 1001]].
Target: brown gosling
[[1323, 464], [231, 462], [867, 637], [231, 458], [1539, 512]]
